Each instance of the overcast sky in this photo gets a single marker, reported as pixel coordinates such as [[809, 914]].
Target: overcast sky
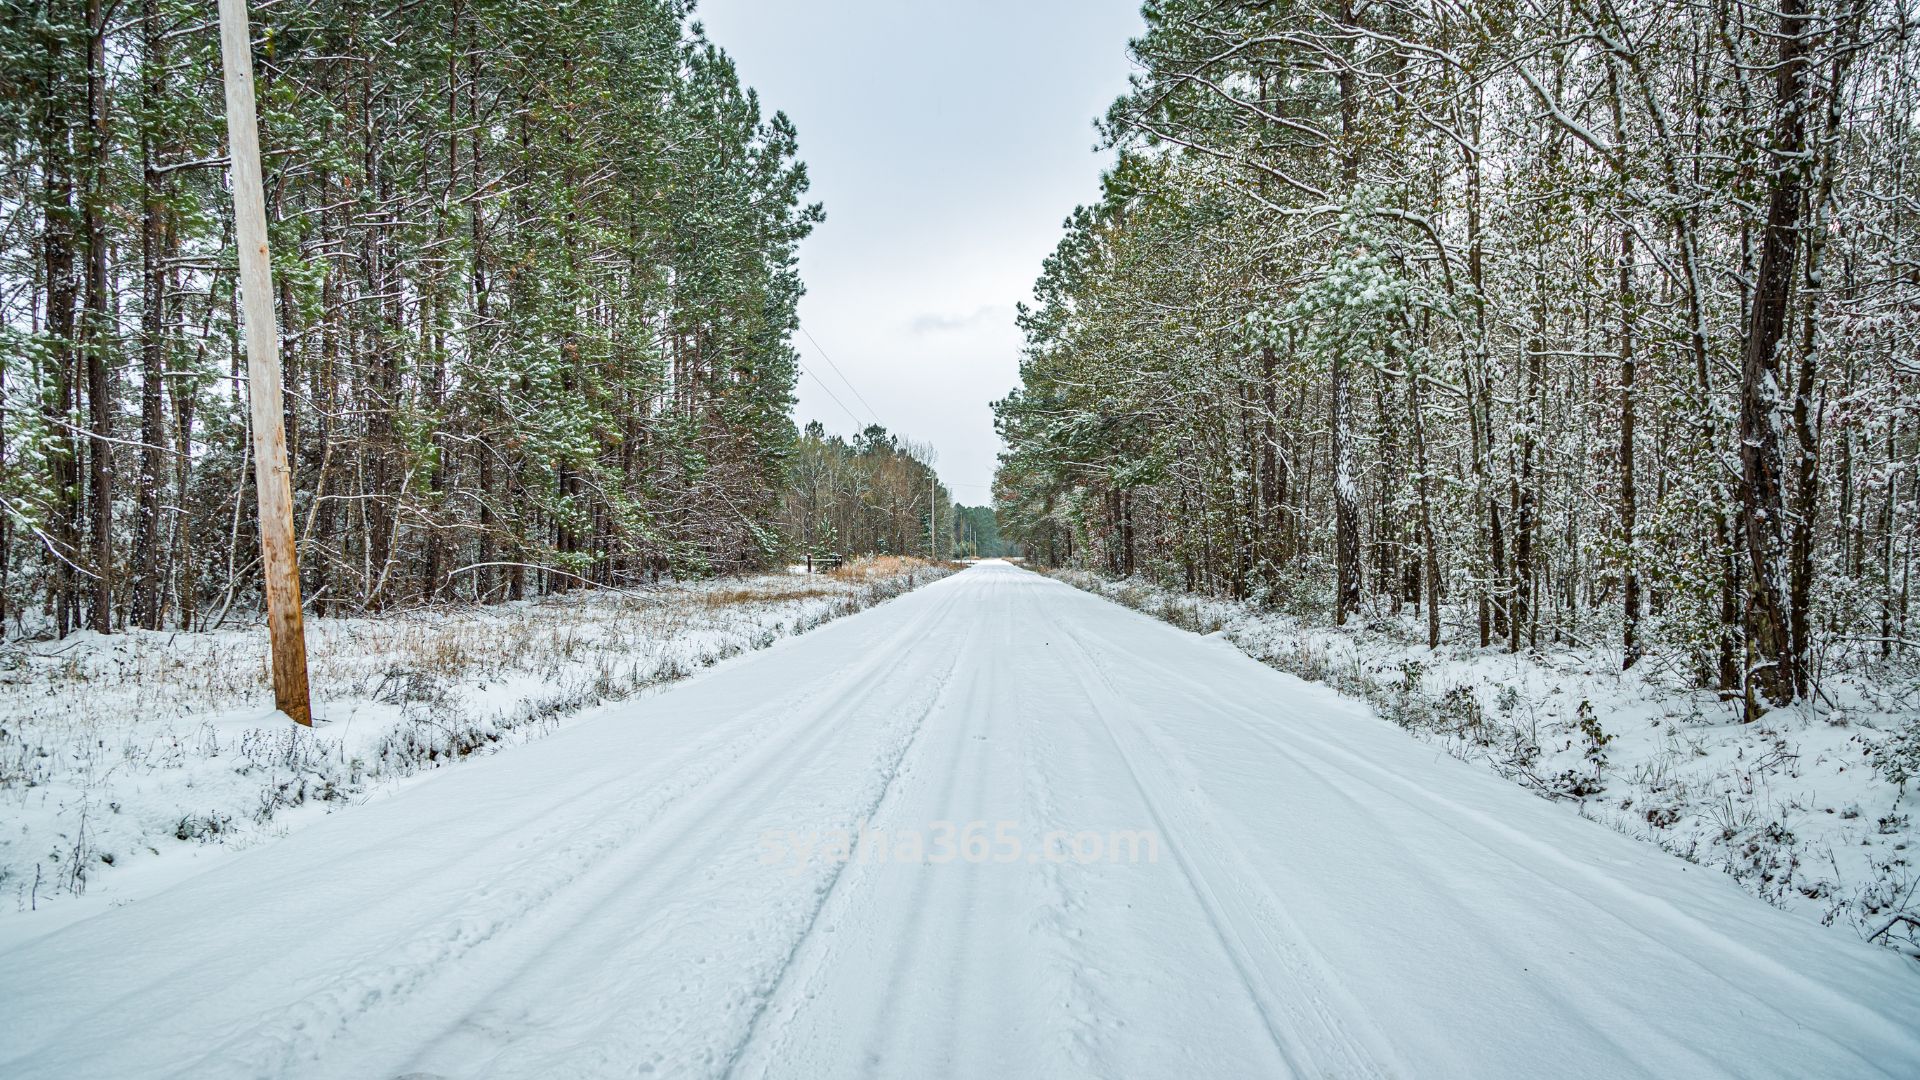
[[948, 140]]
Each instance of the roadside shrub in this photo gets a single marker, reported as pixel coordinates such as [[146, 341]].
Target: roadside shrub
[[1897, 757], [204, 827]]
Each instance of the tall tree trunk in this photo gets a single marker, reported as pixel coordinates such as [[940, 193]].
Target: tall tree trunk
[[1346, 502], [1772, 670], [1478, 415], [1429, 543], [1386, 529], [1629, 376], [148, 560], [483, 335], [57, 251], [1629, 505], [1273, 485], [99, 324], [1346, 490], [1525, 495], [1807, 419], [181, 393]]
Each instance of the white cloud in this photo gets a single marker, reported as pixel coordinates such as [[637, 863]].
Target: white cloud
[[936, 323], [946, 171]]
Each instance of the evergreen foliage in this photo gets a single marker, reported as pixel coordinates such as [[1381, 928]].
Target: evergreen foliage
[[536, 276], [1553, 323]]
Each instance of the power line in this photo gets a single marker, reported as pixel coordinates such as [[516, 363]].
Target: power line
[[836, 398], [861, 398], [871, 411], [933, 476]]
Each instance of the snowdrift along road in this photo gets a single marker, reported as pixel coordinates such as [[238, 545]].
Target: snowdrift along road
[[1093, 845]]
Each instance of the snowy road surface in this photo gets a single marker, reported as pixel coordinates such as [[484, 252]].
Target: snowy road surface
[[1255, 880]]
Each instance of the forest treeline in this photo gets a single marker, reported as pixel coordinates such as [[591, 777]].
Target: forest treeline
[[1560, 321], [976, 533], [535, 272], [872, 494], [875, 493]]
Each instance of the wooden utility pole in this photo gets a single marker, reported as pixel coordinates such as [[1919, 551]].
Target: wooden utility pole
[[271, 474]]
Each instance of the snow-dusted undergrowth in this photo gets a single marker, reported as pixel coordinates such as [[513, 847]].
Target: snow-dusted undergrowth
[[1801, 808], [114, 750]]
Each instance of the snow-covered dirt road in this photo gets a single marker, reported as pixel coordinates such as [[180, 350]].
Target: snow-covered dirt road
[[995, 828]]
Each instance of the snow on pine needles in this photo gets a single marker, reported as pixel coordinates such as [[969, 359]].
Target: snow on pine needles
[[117, 749], [1806, 808]]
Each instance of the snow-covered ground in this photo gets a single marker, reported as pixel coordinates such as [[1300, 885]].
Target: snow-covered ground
[[117, 750], [1792, 807], [998, 827]]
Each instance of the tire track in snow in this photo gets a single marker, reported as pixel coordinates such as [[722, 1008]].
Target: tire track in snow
[[1589, 1014], [926, 957], [805, 939], [1315, 1041], [1375, 793], [555, 887], [1683, 930], [703, 837]]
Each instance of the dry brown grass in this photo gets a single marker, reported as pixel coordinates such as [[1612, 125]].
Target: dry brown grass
[[167, 718], [883, 566], [763, 594], [827, 583]]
